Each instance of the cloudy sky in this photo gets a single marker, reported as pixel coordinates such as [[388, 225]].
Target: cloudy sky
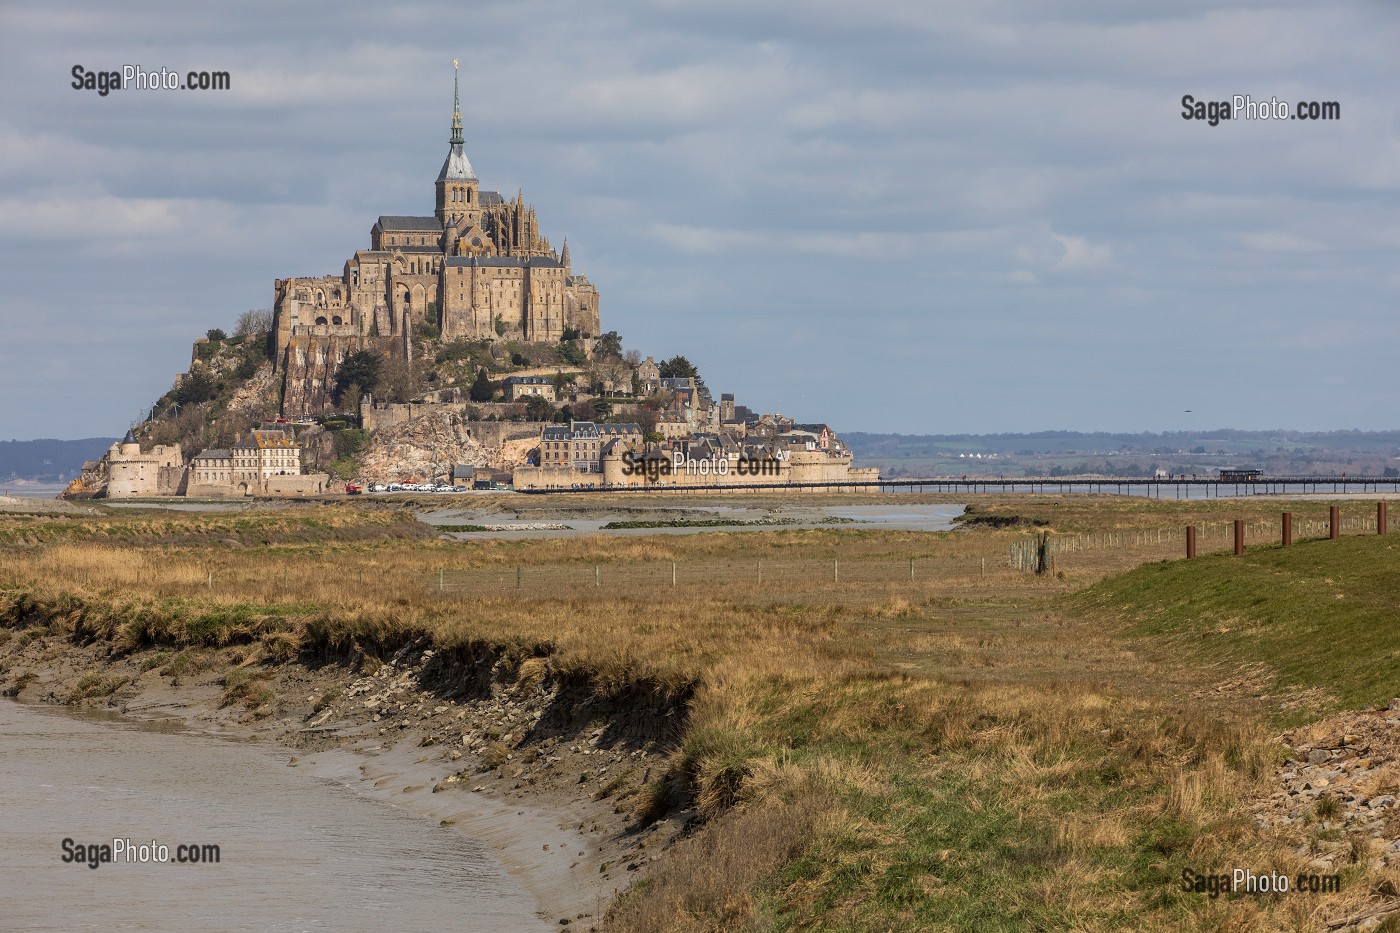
[[911, 216]]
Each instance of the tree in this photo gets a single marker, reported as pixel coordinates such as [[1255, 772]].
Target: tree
[[398, 380], [538, 408], [678, 367], [609, 346], [482, 390], [572, 353], [198, 386], [256, 321], [361, 369], [215, 334]]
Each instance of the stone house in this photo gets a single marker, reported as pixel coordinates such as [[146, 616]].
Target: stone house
[[520, 388], [648, 377], [578, 447]]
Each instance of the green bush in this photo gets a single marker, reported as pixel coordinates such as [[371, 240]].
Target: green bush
[[571, 352], [349, 442]]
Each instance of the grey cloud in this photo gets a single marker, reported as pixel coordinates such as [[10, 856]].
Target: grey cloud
[[922, 197]]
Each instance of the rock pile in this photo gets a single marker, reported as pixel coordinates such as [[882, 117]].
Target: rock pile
[[1341, 779]]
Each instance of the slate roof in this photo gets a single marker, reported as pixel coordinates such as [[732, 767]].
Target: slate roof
[[406, 222], [456, 167], [619, 428]]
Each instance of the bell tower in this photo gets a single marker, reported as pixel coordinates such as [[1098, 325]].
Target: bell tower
[[458, 201]]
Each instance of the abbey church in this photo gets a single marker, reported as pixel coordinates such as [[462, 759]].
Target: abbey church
[[477, 268]]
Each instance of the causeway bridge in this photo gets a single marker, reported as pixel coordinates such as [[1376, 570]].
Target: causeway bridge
[[1173, 487]]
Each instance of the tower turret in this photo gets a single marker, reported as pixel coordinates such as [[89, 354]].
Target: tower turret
[[457, 185]]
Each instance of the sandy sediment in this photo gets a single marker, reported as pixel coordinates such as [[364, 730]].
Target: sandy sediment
[[23, 505], [544, 773]]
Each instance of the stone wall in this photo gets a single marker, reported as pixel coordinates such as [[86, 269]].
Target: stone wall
[[306, 484]]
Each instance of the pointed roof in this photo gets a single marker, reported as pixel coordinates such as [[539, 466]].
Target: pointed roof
[[456, 107], [564, 256], [456, 167]]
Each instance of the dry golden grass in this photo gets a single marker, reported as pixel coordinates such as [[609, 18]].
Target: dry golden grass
[[955, 752]]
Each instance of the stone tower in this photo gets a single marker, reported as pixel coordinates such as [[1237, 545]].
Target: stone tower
[[458, 197]]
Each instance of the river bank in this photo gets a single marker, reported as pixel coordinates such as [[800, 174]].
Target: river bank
[[542, 773]]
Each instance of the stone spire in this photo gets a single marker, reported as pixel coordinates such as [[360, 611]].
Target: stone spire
[[456, 167], [564, 256], [456, 109]]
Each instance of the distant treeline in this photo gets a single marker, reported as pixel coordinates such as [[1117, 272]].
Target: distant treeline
[[49, 460], [874, 446]]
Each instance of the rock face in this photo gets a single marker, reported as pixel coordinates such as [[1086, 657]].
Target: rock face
[[256, 398], [428, 446]]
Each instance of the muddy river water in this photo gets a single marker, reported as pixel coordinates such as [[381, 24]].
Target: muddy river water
[[295, 852]]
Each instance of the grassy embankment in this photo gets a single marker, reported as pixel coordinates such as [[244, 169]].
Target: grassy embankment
[[963, 752]]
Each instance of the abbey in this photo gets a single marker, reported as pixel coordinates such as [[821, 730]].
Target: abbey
[[477, 268]]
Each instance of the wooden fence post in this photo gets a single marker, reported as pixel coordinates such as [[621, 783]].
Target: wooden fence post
[[1190, 542], [1287, 528], [1239, 536], [1381, 508], [1334, 520]]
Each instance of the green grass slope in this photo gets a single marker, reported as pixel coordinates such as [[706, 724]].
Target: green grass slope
[[1320, 614]]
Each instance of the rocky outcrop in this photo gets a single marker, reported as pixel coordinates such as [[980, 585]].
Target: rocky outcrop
[[256, 398], [428, 446]]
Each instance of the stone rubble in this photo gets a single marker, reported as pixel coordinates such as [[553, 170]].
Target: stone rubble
[[1341, 779]]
